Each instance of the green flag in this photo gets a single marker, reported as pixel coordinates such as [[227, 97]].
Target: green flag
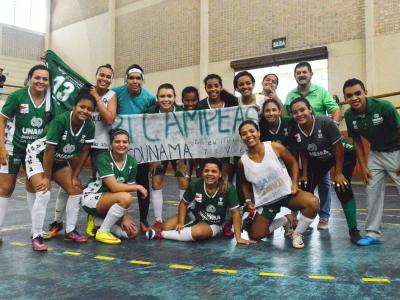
[[66, 82]]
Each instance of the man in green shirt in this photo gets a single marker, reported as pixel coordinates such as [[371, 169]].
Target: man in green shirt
[[322, 104], [378, 122]]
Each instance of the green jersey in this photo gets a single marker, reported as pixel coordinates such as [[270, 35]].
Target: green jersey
[[105, 166], [282, 134], [209, 208], [26, 122], [156, 109], [379, 125], [68, 144]]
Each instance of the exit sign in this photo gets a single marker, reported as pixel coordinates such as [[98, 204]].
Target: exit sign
[[279, 43]]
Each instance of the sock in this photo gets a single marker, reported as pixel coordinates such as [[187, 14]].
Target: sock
[[39, 212], [349, 210], [303, 224], [184, 236], [72, 211], [98, 221], [30, 200], [277, 223], [61, 204], [3, 209], [119, 232], [157, 202], [181, 192], [113, 215]]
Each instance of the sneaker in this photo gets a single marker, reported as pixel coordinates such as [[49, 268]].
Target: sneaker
[[46, 235], [107, 238], [368, 241], [38, 244], [55, 227], [297, 240], [152, 234], [323, 224], [227, 230], [289, 225], [157, 226], [90, 227], [144, 226], [75, 236], [354, 235]]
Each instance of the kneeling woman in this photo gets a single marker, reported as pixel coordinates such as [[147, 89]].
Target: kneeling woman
[[202, 209], [321, 148], [109, 195], [69, 135], [262, 167]]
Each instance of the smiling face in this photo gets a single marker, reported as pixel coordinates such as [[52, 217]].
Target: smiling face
[[104, 78], [250, 135], [271, 112], [356, 97], [211, 174], [190, 101], [120, 144], [166, 99], [83, 110], [245, 86], [213, 89], [270, 81], [39, 82], [134, 82], [303, 75], [301, 113]]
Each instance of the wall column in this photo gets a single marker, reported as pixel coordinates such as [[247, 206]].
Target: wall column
[[204, 41], [111, 33], [47, 36], [369, 46]]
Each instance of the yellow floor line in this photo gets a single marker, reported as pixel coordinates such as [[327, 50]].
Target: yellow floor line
[[73, 253], [104, 257], [269, 274], [180, 267], [140, 262], [364, 209], [319, 277], [18, 244], [371, 279], [228, 271]]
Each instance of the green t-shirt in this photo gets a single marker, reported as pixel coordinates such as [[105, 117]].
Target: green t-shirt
[[156, 109], [105, 166], [68, 144], [379, 125], [319, 98], [206, 208], [26, 121], [282, 135]]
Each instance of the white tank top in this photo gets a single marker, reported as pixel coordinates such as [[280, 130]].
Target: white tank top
[[101, 137], [269, 178]]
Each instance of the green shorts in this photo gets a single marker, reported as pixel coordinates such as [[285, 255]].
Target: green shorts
[[270, 211], [14, 163], [162, 168]]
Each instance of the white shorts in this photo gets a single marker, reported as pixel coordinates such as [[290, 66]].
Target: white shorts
[[89, 201], [216, 230], [32, 161]]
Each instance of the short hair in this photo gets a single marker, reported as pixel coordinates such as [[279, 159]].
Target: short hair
[[39, 67], [212, 160], [300, 99], [276, 76], [84, 94], [108, 66], [190, 89], [241, 74], [352, 82], [167, 86], [248, 122], [303, 64], [117, 131]]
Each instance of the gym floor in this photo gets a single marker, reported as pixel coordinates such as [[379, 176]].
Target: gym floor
[[329, 266]]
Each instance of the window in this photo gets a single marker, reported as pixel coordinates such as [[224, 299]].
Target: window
[[28, 14]]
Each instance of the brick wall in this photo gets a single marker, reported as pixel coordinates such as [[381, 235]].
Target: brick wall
[[387, 16], [21, 44], [120, 3]]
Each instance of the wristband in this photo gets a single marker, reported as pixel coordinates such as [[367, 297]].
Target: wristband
[[247, 200]]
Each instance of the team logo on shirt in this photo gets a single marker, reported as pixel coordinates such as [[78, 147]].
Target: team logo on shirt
[[220, 201], [211, 208], [64, 136], [298, 137], [355, 125], [198, 197], [112, 166], [377, 119], [82, 139], [285, 131], [121, 179], [312, 147], [24, 109], [320, 136], [36, 122], [68, 148]]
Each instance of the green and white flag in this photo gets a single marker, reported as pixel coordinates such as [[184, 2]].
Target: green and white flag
[[66, 82]]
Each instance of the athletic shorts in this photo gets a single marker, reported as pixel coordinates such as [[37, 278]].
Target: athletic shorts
[[161, 169], [190, 220], [14, 163], [89, 202], [270, 211], [34, 165]]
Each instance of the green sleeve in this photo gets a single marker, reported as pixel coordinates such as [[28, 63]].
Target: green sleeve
[[104, 166], [391, 114], [232, 197], [188, 196], [91, 130], [55, 131], [132, 171], [329, 104], [10, 108]]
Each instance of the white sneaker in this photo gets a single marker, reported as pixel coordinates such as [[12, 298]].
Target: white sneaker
[[323, 224], [297, 240]]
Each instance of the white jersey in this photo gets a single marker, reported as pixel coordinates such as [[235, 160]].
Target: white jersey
[[101, 137], [269, 178]]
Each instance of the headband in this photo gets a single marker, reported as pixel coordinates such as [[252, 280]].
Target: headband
[[135, 70]]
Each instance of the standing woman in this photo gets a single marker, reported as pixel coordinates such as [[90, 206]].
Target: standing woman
[[244, 83], [23, 119], [202, 208], [109, 194], [319, 143], [103, 117], [69, 135], [165, 103]]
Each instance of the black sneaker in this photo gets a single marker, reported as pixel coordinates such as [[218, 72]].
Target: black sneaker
[[354, 235]]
